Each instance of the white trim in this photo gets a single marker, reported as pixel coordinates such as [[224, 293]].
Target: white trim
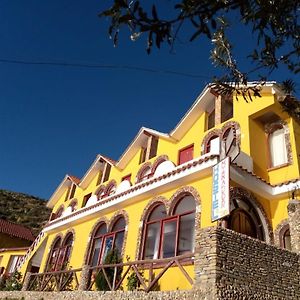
[[257, 186], [136, 144], [118, 201]]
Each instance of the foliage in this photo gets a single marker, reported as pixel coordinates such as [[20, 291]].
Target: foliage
[[13, 282], [274, 24], [133, 282], [23, 209], [112, 257]]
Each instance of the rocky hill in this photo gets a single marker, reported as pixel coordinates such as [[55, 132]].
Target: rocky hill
[[27, 210]]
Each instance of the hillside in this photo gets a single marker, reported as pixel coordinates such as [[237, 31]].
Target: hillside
[[27, 210]]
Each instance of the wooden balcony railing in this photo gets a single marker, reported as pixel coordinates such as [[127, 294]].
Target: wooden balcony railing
[[55, 281], [147, 273], [146, 281]]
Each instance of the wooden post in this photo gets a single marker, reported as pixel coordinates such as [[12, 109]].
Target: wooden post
[[26, 281]]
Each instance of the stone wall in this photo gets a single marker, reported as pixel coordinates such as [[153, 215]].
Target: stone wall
[[239, 267], [80, 295], [294, 222]]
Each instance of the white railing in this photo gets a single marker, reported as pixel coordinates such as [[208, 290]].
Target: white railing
[[30, 250]]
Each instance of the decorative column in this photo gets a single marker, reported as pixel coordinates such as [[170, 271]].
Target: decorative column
[[26, 281], [218, 110], [84, 278], [294, 222]]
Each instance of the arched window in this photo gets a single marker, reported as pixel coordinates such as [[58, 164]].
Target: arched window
[[285, 238], [145, 174], [158, 162], [96, 245], [226, 133], [168, 236], [152, 235], [53, 256], [277, 146], [60, 254], [102, 241], [110, 189], [100, 192], [185, 210], [208, 143], [59, 212], [73, 205], [65, 252]]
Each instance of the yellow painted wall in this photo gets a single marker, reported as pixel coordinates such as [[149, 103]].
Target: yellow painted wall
[[6, 255], [253, 142]]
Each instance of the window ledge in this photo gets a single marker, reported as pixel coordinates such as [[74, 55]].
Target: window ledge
[[278, 167]]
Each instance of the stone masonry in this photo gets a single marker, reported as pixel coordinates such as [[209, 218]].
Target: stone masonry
[[235, 266], [294, 222]]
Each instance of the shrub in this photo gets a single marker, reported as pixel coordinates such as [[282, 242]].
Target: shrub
[[13, 282], [112, 257]]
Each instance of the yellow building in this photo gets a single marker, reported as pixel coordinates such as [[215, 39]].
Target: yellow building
[[14, 242], [150, 204]]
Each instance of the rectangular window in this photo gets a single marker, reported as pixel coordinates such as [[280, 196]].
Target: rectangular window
[[150, 150], [153, 147], [13, 261], [71, 192], [143, 155], [169, 238], [73, 189], [127, 177], [99, 177], [211, 120], [186, 154], [107, 169], [85, 199], [278, 147], [226, 108]]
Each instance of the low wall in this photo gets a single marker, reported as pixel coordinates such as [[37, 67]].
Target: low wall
[[235, 266], [119, 295]]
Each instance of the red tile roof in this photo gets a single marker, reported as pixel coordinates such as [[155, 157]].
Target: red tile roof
[[16, 230], [113, 162], [75, 179]]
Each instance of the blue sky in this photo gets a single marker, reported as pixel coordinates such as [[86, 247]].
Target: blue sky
[[54, 120]]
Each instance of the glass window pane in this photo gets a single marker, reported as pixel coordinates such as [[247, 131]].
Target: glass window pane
[[66, 258], [120, 224], [186, 204], [119, 241], [186, 236], [169, 238], [101, 230], [107, 246], [13, 263], [60, 259], [96, 252], [152, 241], [278, 148], [159, 212], [69, 240]]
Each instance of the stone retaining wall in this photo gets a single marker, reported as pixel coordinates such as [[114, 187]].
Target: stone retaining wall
[[235, 266]]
